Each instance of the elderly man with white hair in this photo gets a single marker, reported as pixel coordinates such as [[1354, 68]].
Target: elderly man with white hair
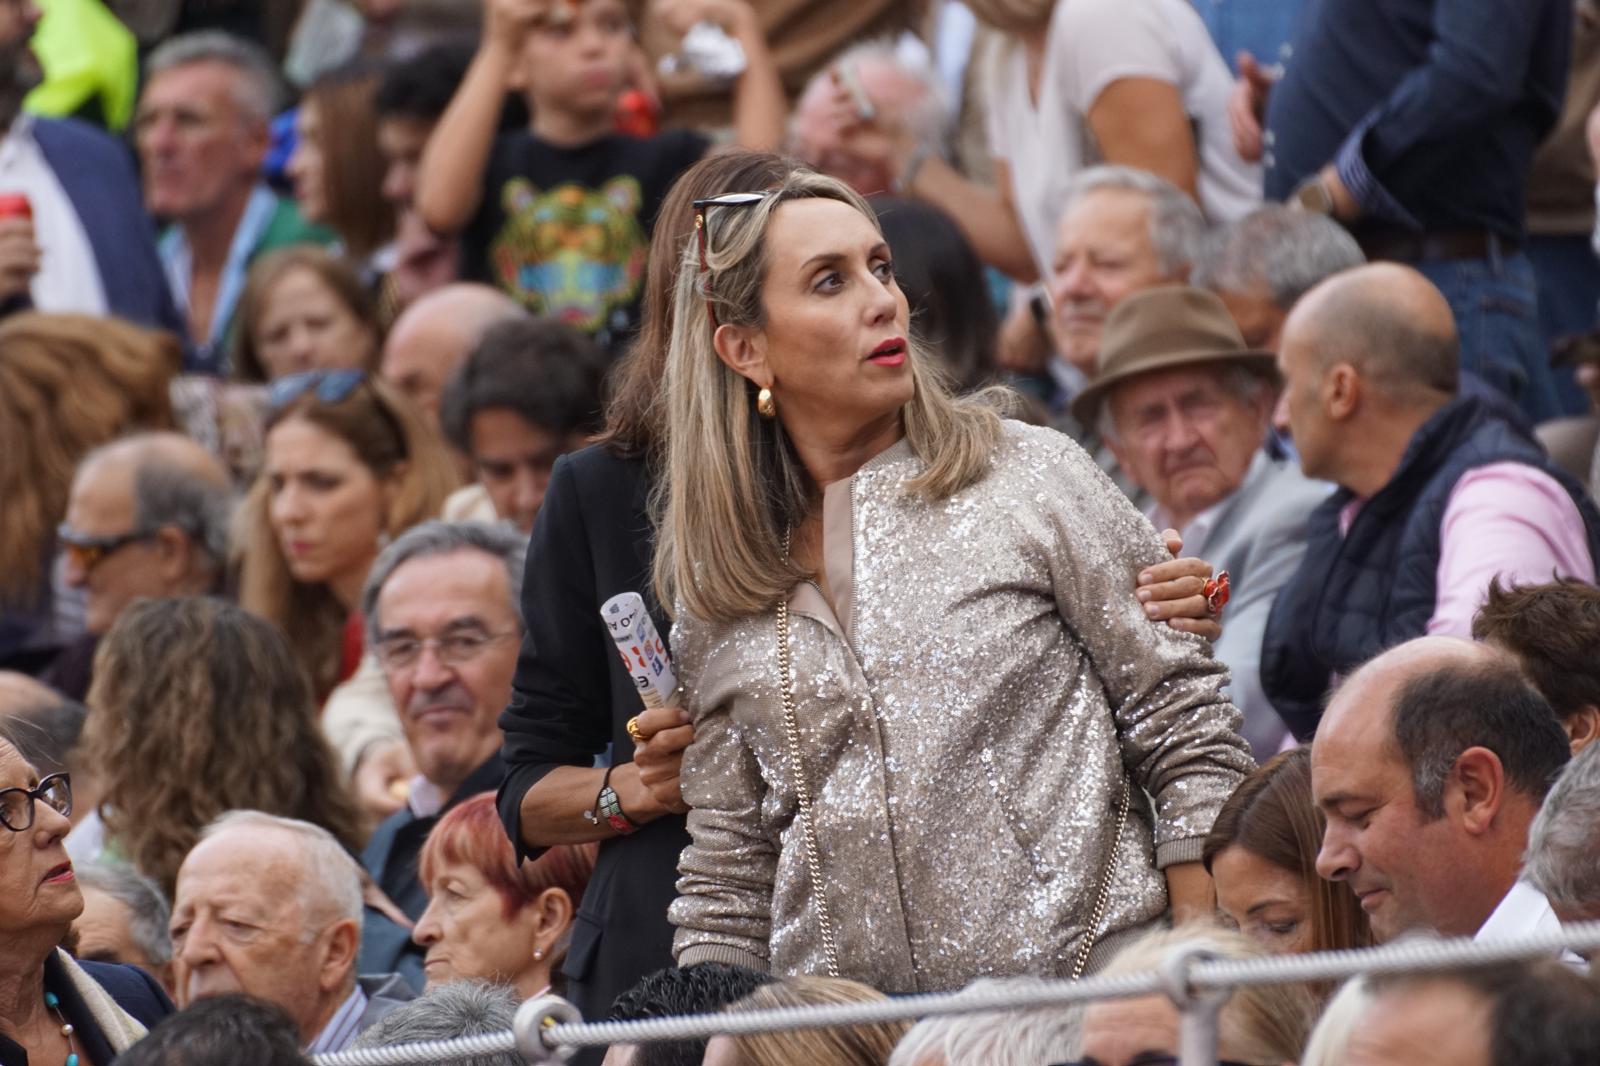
[[1563, 857], [271, 908]]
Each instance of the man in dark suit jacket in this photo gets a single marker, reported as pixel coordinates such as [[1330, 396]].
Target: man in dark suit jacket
[[86, 244], [441, 610]]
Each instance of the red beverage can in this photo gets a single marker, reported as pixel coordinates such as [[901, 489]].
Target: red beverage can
[[15, 205]]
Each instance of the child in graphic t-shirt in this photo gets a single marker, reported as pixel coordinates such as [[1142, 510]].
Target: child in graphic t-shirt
[[559, 215]]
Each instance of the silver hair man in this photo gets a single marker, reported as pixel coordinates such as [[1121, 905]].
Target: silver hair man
[[146, 907], [260, 92], [1563, 856], [1262, 264], [460, 1008], [1177, 227], [1001, 1038], [435, 537], [331, 878]]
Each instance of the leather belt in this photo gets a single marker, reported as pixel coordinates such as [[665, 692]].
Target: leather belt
[[1399, 246]]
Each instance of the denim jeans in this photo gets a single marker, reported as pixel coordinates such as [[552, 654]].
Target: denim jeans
[[1569, 287], [1496, 305]]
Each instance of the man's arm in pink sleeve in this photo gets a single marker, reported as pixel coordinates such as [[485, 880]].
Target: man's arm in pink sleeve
[[1510, 520]]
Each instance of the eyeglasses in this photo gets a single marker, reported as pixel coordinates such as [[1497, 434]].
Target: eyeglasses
[[87, 551], [16, 804], [329, 386], [453, 649], [729, 199]]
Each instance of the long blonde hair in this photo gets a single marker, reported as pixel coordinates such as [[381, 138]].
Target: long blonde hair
[[68, 384], [851, 1045], [731, 482], [387, 434]]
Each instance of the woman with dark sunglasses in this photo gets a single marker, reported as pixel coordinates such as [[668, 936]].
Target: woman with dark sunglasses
[[348, 464], [53, 1008]]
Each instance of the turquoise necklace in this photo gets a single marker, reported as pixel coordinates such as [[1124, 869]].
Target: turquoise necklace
[[54, 1003]]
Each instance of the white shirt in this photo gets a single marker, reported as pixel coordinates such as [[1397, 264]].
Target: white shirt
[[69, 277], [1523, 912], [1091, 44]]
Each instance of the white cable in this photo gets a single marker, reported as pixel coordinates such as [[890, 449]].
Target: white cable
[[1409, 956]]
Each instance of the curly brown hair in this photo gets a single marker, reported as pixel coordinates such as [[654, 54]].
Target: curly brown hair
[[68, 384], [198, 708]]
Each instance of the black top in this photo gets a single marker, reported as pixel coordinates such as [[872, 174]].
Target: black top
[[572, 697], [135, 991], [1431, 109], [566, 231]]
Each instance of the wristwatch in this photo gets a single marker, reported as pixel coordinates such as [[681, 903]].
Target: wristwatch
[[609, 807], [1312, 195]]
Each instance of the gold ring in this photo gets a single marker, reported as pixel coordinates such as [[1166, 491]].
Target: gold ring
[[633, 730]]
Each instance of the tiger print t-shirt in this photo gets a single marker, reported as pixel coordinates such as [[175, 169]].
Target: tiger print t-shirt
[[566, 231]]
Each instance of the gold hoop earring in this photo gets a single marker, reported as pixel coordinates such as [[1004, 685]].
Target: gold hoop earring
[[766, 405]]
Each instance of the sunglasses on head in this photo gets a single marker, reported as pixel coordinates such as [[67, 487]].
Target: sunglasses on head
[[329, 386], [729, 199]]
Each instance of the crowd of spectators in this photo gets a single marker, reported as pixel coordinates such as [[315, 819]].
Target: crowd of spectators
[[1099, 480]]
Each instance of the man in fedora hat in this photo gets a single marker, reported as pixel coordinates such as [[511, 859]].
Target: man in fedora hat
[[1185, 407]]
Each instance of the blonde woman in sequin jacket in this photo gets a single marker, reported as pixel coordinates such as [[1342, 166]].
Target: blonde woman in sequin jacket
[[975, 689]]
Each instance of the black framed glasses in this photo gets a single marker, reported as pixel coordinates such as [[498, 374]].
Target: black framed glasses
[[727, 199], [329, 386], [16, 804], [87, 551]]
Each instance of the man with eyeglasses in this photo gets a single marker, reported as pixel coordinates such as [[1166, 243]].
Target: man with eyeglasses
[[148, 516], [441, 610]]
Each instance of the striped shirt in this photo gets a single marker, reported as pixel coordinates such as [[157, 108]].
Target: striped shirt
[[342, 1027]]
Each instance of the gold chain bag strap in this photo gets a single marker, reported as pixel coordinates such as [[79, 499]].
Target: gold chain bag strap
[[802, 786]]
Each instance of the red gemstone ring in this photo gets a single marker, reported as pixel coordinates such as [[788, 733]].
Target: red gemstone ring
[[1216, 592]]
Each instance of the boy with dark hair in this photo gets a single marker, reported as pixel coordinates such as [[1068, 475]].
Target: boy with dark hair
[[526, 395], [1553, 632], [559, 214]]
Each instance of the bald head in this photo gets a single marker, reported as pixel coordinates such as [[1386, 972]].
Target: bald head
[[432, 336], [156, 509], [174, 450], [1370, 691], [1388, 321], [21, 694]]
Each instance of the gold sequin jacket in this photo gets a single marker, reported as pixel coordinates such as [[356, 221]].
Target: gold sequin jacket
[[967, 721]]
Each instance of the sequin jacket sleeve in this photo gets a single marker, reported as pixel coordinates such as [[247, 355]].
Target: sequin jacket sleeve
[[1178, 732], [728, 871]]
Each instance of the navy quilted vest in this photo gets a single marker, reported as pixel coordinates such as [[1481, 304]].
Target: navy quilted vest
[[1356, 595]]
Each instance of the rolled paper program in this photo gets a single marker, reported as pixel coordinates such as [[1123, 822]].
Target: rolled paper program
[[643, 652]]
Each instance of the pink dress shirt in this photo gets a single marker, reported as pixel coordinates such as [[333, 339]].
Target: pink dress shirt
[[1508, 520]]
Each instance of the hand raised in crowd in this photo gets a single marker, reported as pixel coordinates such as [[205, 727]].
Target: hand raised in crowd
[[506, 23], [1022, 347], [1174, 592], [1247, 107], [379, 779], [659, 756], [19, 256]]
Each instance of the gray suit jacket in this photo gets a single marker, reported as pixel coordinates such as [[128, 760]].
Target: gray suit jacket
[[1258, 538]]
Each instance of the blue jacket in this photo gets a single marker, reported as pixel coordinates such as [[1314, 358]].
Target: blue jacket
[[1355, 595], [99, 178]]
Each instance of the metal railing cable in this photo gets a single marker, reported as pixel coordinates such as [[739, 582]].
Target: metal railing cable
[[549, 1029]]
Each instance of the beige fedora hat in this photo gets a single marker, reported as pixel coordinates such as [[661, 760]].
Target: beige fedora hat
[[1162, 328]]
